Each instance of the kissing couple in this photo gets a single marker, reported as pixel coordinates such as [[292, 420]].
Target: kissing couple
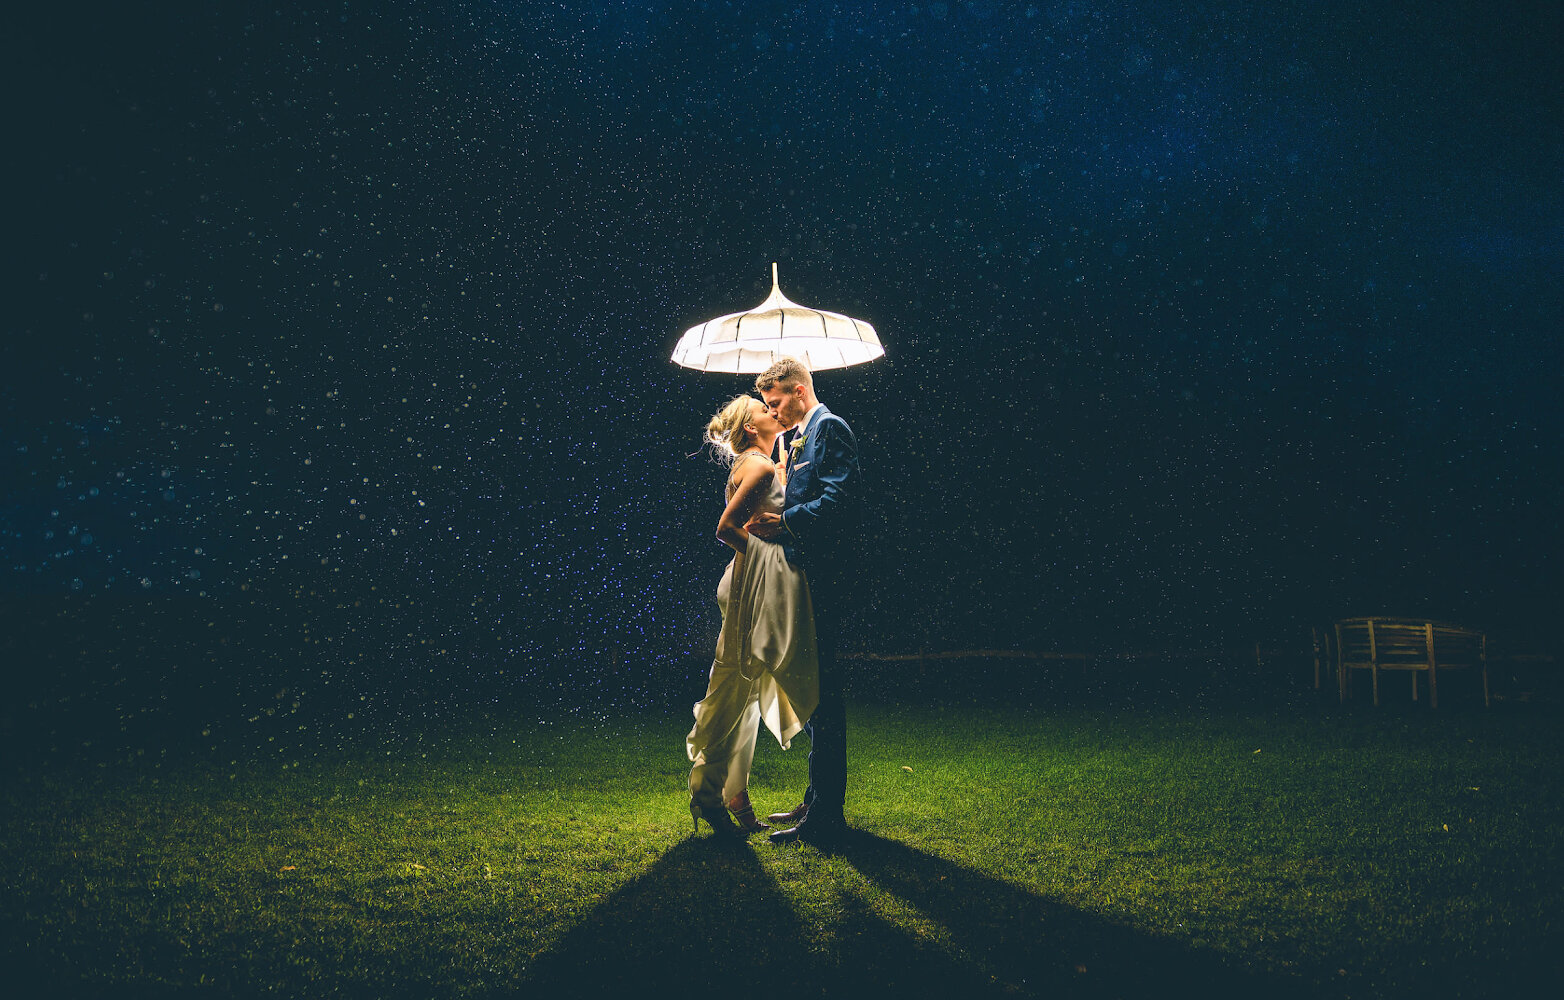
[[791, 525]]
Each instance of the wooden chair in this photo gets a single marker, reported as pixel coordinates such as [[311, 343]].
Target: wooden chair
[[1409, 644]]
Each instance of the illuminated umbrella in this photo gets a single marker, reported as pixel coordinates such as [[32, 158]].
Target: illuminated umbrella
[[748, 342]]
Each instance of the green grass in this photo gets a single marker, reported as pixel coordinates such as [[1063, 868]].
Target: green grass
[[999, 852]]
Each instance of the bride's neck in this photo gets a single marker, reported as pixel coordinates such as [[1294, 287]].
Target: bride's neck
[[765, 445]]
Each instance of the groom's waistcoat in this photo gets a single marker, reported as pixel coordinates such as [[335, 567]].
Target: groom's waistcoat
[[820, 510]]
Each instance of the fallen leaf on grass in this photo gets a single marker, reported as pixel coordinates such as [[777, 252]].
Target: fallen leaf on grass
[[288, 868], [1257, 751], [904, 767]]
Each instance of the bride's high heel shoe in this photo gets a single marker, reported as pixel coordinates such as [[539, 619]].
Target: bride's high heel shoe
[[745, 814], [722, 826]]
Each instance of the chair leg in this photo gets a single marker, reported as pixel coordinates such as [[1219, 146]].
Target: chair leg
[[1414, 686], [1485, 687], [1433, 686], [1375, 672]]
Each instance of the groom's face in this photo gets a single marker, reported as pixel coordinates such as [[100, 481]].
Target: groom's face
[[787, 403]]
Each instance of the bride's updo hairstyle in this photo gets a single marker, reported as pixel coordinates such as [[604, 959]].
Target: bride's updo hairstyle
[[725, 433]]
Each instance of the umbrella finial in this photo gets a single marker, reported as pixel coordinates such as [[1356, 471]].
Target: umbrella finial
[[774, 276]]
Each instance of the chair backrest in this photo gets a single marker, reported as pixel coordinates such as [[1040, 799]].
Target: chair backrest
[[1404, 642], [1455, 646]]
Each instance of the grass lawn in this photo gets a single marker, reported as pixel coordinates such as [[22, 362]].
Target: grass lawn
[[999, 851]]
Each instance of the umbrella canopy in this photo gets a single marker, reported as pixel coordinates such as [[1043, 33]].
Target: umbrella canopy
[[748, 342]]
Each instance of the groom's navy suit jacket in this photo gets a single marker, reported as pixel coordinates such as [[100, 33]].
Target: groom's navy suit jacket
[[820, 510], [820, 517]]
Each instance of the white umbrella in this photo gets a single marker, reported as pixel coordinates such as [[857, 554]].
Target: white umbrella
[[748, 342]]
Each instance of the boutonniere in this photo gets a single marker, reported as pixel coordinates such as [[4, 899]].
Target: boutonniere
[[797, 446]]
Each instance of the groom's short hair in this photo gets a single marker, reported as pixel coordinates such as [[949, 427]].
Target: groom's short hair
[[787, 372]]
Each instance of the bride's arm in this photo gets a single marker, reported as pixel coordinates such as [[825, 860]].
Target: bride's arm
[[754, 480]]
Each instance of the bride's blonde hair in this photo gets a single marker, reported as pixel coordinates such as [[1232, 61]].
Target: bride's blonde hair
[[725, 432]]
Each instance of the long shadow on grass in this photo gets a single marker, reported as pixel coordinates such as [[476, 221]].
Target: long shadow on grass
[[1032, 945], [691, 921], [708, 917], [708, 920]]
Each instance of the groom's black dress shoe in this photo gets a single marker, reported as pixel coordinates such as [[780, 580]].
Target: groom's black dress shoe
[[820, 834], [793, 816]]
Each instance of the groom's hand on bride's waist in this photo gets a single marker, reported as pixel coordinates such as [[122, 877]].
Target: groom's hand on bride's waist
[[765, 525]]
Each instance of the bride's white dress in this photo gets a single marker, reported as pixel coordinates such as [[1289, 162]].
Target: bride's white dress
[[767, 667]]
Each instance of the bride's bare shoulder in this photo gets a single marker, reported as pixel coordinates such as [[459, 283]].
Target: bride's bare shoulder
[[749, 468]]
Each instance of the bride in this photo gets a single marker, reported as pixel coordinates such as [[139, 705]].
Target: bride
[[767, 667]]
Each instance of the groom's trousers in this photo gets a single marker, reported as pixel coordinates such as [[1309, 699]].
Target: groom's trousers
[[827, 727]]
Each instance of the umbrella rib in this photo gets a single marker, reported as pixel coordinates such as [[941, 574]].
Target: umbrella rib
[[719, 345]]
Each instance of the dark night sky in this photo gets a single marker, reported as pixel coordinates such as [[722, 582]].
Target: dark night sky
[[1205, 321]]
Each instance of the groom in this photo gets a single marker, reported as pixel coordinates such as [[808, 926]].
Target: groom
[[816, 529]]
